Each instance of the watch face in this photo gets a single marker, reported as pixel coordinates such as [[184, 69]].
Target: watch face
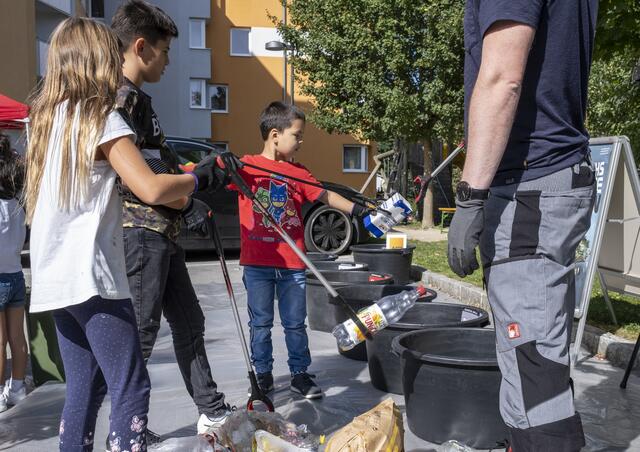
[[463, 191]]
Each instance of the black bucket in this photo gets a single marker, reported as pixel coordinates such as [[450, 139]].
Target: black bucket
[[320, 313], [328, 266], [451, 384], [321, 257], [396, 262], [359, 297], [384, 365]]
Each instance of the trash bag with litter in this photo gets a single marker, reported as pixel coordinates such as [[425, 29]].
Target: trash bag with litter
[[198, 443], [239, 432]]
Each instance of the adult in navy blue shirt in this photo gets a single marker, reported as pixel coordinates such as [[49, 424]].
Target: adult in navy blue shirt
[[526, 197]]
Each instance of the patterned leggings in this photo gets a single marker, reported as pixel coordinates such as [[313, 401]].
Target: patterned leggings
[[100, 350]]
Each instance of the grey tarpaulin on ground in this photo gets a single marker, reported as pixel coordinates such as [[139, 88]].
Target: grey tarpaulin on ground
[[611, 416]]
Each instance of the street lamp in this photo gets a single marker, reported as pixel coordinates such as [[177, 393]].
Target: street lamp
[[279, 46]]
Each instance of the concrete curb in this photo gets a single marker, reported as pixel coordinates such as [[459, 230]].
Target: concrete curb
[[615, 349]]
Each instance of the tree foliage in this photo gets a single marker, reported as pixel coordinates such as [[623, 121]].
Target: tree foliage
[[614, 99], [618, 28], [380, 69]]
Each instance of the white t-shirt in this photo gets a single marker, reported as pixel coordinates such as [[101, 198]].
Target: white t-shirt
[[12, 234], [78, 254]]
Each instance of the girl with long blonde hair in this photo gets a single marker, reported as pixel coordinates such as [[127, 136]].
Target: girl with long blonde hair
[[79, 144]]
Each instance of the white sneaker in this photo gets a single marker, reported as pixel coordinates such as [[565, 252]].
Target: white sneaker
[[211, 424], [13, 397]]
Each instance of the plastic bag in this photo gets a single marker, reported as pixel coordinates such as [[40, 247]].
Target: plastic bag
[[198, 443], [238, 432], [455, 446], [267, 442]]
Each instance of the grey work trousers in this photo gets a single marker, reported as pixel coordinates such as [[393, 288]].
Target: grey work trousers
[[528, 249]]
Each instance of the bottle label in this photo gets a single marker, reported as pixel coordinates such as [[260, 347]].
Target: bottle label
[[372, 317]]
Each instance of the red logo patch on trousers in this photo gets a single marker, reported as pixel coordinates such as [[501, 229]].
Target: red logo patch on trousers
[[513, 329]]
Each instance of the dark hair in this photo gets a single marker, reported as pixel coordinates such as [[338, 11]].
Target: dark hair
[[140, 19], [11, 170], [278, 116]]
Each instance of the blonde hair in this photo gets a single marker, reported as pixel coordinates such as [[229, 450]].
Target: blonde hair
[[84, 68]]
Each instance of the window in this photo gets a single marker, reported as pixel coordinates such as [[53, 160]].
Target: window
[[96, 9], [218, 98], [197, 33], [354, 159], [197, 96], [43, 51], [222, 145], [190, 152], [240, 39]]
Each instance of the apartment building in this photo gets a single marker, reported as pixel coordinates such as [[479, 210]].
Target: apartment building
[[219, 79], [245, 77]]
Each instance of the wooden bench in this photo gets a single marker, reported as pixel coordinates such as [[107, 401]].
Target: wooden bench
[[445, 213]]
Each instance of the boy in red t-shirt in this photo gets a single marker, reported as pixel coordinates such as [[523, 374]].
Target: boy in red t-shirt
[[270, 266]]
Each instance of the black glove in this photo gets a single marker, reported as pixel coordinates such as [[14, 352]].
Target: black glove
[[230, 162], [360, 211], [196, 216], [464, 235]]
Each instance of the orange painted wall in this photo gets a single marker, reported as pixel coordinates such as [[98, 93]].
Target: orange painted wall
[[254, 82]]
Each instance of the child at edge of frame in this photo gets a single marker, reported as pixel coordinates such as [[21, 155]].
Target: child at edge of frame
[[78, 144]]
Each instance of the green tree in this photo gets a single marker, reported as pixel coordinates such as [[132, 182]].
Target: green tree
[[381, 69], [618, 28], [614, 99]]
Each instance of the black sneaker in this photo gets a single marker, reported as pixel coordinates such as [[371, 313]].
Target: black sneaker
[[304, 385], [265, 381]]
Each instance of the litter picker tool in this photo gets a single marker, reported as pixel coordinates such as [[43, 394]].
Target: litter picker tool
[[246, 191], [257, 395], [426, 180]]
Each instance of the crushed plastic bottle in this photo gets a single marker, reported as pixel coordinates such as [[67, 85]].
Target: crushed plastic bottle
[[378, 223], [376, 317], [455, 446]]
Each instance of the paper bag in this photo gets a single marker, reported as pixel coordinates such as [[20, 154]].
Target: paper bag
[[379, 429]]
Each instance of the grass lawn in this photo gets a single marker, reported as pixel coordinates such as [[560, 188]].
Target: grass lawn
[[433, 256]]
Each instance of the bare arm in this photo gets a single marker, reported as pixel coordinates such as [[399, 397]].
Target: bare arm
[[505, 49], [151, 188], [336, 201]]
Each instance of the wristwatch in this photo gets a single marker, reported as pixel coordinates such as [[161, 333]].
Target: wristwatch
[[464, 192]]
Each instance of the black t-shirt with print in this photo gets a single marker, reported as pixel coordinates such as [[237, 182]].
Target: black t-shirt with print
[[135, 107]]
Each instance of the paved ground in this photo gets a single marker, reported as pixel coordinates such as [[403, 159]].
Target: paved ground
[[611, 415], [424, 235]]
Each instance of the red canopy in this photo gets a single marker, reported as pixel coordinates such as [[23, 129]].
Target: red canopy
[[11, 112]]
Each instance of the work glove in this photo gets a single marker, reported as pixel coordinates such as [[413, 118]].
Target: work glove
[[229, 164], [196, 217], [210, 175], [361, 211], [464, 235]]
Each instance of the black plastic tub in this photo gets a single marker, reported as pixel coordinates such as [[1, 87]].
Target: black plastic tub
[[359, 297], [385, 366], [451, 384], [320, 312], [342, 266], [321, 257], [396, 262]]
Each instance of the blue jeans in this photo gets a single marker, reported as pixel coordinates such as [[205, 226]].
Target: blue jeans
[[12, 290], [100, 350], [262, 283]]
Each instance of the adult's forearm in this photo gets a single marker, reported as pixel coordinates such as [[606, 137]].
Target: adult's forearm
[[491, 113]]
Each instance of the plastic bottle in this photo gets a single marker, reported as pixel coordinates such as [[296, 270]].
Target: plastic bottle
[[455, 446], [379, 223], [379, 315]]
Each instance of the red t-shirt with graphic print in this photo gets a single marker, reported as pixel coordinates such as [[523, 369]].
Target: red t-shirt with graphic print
[[260, 243]]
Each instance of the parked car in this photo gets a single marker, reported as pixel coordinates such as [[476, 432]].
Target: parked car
[[326, 230]]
